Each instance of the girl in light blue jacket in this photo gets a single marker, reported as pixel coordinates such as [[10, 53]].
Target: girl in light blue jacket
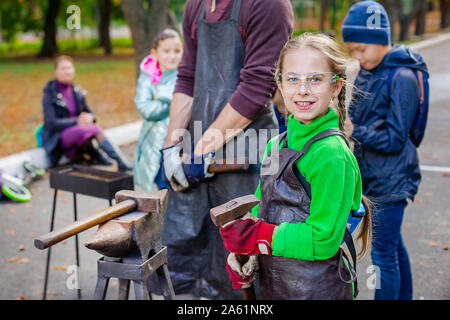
[[154, 93]]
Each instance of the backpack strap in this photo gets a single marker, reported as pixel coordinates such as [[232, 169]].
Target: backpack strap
[[422, 90], [321, 135]]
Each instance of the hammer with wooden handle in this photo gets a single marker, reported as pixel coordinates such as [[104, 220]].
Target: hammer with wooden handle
[[232, 210], [227, 165], [126, 201]]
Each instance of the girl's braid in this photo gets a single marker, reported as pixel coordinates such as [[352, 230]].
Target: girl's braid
[[342, 107]]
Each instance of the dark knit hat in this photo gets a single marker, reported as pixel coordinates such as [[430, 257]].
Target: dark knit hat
[[367, 22]]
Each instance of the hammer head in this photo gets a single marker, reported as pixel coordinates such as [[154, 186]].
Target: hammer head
[[145, 202], [233, 209]]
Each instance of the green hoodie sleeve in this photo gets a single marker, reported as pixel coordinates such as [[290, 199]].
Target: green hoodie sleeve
[[330, 169]]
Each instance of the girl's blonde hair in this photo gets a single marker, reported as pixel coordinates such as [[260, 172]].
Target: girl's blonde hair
[[338, 61]]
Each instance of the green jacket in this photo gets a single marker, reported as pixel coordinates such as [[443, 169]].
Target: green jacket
[[331, 169], [154, 126]]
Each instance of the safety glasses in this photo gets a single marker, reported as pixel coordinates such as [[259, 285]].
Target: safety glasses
[[316, 82]]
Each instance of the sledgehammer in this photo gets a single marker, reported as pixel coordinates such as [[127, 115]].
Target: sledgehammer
[[232, 210]]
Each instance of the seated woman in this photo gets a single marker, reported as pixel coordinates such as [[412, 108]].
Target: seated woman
[[69, 124]]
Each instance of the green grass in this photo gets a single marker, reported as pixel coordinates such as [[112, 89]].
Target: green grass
[[69, 46], [110, 83]]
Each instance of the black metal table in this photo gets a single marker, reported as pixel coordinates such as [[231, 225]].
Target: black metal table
[[86, 180]]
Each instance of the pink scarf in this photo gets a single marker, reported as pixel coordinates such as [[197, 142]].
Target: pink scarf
[[151, 66]]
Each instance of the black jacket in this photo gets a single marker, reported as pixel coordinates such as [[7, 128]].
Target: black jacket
[[387, 158], [57, 118]]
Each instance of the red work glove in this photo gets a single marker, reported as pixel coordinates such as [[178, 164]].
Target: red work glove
[[247, 236]]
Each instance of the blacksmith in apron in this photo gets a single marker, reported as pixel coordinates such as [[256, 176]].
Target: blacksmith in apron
[[196, 255]]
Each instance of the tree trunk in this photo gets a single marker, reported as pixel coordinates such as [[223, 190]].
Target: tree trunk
[[1, 33], [144, 24], [105, 18], [393, 10], [323, 14], [421, 11], [444, 6], [405, 21], [406, 12], [49, 47], [172, 22]]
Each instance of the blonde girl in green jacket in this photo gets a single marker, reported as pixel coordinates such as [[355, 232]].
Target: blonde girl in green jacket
[[296, 234], [156, 83]]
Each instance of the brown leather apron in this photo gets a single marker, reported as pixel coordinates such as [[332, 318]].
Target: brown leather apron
[[284, 199]]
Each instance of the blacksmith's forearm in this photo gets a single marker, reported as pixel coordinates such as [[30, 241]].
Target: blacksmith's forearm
[[180, 116], [228, 124]]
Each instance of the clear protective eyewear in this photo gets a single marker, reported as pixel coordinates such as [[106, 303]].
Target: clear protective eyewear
[[316, 82]]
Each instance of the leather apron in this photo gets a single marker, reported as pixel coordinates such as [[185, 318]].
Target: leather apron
[[284, 199], [196, 254]]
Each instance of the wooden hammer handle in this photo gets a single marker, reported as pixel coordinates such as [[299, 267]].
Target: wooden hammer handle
[[228, 165], [232, 210], [247, 293], [76, 227]]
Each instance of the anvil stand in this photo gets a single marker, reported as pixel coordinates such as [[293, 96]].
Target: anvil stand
[[77, 256], [61, 179], [132, 268]]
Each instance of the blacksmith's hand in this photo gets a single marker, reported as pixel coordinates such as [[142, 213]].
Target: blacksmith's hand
[[173, 168], [242, 275], [196, 166], [248, 235]]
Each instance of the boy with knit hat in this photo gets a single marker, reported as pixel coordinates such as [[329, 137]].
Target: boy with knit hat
[[381, 119]]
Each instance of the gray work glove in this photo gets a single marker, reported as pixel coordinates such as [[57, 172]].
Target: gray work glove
[[247, 272], [173, 168]]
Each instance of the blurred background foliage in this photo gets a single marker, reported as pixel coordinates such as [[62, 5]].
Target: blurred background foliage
[[113, 38], [23, 22]]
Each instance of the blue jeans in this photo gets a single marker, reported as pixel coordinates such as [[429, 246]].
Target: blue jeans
[[389, 252]]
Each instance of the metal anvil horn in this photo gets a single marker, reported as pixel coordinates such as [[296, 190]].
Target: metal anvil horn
[[135, 233]]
